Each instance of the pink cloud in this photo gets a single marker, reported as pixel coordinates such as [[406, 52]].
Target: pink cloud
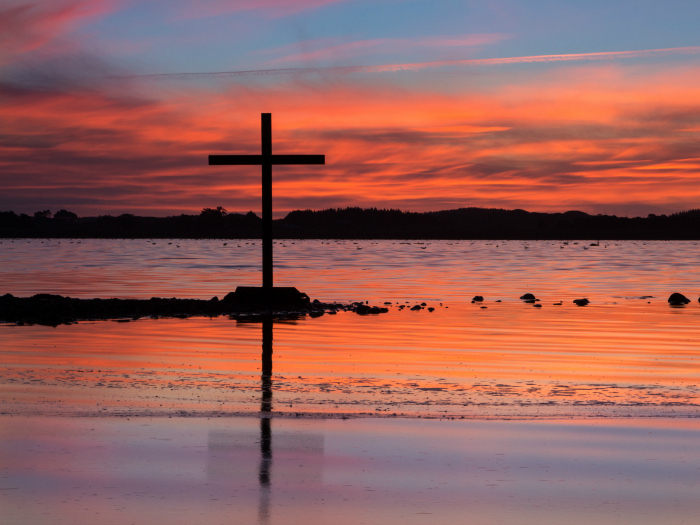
[[271, 8], [325, 49], [28, 26]]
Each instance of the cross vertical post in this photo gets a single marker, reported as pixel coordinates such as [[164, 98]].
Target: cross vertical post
[[266, 132]]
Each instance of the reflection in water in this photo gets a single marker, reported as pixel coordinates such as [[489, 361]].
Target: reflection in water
[[265, 468], [266, 404]]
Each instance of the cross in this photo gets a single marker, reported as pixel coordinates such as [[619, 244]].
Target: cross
[[266, 160]]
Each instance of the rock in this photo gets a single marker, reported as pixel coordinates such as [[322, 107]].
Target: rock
[[215, 299], [363, 309], [423, 304], [387, 302], [499, 301], [477, 299], [431, 309], [581, 302], [527, 297], [677, 299], [417, 307], [537, 306], [484, 307]]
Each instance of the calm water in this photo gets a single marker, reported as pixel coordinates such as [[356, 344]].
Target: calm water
[[508, 414], [360, 471], [451, 271], [626, 354]]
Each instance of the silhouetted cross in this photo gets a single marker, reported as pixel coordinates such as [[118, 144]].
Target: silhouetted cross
[[266, 160]]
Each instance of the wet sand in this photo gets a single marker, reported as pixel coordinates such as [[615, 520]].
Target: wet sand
[[161, 470]]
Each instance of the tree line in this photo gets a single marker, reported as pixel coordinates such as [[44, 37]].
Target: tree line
[[358, 223]]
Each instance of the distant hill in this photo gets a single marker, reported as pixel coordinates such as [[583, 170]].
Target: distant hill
[[357, 223]]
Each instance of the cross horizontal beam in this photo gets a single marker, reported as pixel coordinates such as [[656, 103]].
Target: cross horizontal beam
[[258, 160]]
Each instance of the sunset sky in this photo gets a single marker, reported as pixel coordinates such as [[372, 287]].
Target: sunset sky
[[112, 106]]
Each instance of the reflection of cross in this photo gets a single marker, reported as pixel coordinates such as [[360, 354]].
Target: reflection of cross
[[267, 159]]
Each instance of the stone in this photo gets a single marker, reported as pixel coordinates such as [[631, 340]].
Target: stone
[[527, 297], [363, 309], [678, 299], [417, 307], [477, 299], [581, 302]]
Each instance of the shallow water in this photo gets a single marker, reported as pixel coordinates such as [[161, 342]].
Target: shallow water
[[152, 418], [244, 470], [628, 353]]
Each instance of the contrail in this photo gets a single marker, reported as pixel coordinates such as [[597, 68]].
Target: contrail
[[608, 55]]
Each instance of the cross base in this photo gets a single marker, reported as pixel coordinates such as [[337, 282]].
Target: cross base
[[259, 296]]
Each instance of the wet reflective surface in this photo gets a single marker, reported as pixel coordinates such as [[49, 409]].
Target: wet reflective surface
[[406, 417], [80, 470], [509, 360], [330, 270]]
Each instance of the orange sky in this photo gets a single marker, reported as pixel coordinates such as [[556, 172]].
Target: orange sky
[[617, 134]]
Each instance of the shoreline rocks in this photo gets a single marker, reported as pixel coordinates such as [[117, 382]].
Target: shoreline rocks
[[54, 310]]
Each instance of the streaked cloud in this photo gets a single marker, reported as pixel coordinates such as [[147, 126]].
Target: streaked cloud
[[30, 25], [417, 66], [329, 49]]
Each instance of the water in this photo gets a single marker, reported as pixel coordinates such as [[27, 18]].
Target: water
[[626, 354], [373, 471], [352, 270], [505, 414]]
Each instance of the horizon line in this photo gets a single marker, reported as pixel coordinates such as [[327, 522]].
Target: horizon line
[[371, 208]]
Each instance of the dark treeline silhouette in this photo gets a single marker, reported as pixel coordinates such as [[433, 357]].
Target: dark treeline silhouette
[[357, 223]]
